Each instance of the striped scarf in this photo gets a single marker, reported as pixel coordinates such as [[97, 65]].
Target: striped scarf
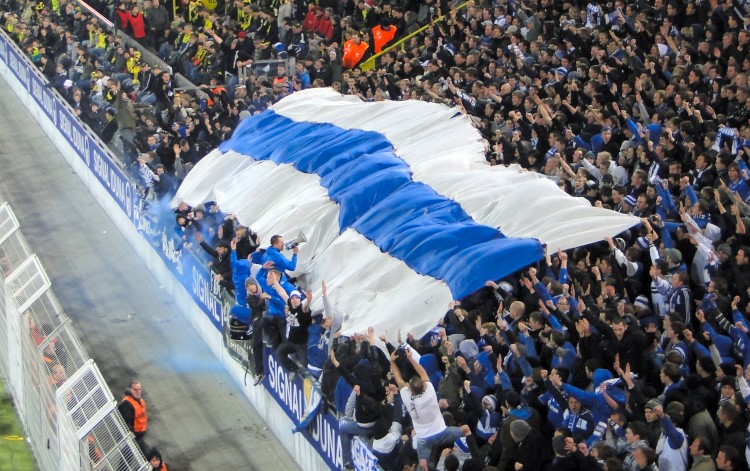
[[726, 132], [593, 13]]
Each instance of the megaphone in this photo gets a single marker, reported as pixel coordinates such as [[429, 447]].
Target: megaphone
[[297, 240]]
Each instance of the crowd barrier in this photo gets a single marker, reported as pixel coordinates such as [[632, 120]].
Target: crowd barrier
[[282, 401], [67, 410]]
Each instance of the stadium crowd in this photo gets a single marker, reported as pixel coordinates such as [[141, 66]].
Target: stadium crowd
[[629, 354]]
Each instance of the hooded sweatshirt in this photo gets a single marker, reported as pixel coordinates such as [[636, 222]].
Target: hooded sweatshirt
[[469, 349], [595, 401], [490, 420]]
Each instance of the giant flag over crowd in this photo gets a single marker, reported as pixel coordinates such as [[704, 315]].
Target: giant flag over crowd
[[401, 210]]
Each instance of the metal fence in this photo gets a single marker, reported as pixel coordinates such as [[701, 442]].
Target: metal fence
[[266, 67], [67, 410]]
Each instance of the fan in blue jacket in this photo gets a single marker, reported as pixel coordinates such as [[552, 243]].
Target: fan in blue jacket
[[595, 400], [276, 306], [280, 262], [317, 344], [490, 420]]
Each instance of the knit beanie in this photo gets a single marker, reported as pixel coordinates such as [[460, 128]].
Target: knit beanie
[[642, 302]]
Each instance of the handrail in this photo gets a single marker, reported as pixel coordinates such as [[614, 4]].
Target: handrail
[[101, 17], [369, 64]]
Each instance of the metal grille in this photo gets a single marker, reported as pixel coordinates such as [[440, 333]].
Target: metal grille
[[41, 412], [63, 347], [45, 313], [114, 446], [267, 67], [5, 341], [13, 252], [87, 399], [27, 283], [8, 222], [67, 410]]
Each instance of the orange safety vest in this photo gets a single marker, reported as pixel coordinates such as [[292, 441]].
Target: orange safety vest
[[353, 53], [140, 421], [217, 91], [381, 37]]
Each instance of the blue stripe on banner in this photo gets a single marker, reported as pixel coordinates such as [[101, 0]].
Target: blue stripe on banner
[[377, 197]]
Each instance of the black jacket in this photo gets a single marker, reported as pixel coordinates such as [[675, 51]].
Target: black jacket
[[221, 265], [575, 462], [367, 408], [533, 452]]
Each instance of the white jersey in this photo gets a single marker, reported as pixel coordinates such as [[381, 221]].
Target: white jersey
[[424, 411], [671, 459]]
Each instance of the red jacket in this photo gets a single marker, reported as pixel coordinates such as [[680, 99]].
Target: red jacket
[[324, 27], [123, 16], [310, 19], [138, 25]]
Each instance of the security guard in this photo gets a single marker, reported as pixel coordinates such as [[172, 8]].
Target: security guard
[[133, 411]]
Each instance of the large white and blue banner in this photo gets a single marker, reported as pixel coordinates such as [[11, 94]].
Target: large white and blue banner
[[401, 210]]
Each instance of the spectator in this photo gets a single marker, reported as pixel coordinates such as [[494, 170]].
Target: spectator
[[645, 459], [700, 451], [625, 105], [579, 421], [420, 400], [532, 453], [221, 264], [728, 459], [137, 24], [318, 342], [301, 77], [157, 20], [155, 460], [361, 417], [57, 376], [298, 321], [125, 116], [672, 448], [273, 254], [256, 302], [274, 320], [731, 426], [569, 457], [601, 401]]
